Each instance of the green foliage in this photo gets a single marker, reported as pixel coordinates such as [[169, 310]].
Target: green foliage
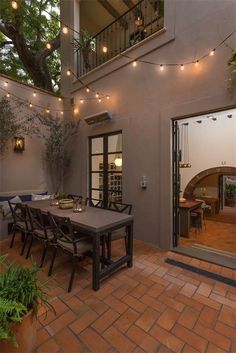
[[20, 291], [84, 44], [11, 124], [37, 28], [230, 190], [232, 61]]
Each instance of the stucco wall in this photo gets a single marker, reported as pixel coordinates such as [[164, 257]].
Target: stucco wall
[[143, 101], [22, 172]]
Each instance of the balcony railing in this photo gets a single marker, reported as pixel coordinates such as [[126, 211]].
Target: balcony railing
[[138, 23]]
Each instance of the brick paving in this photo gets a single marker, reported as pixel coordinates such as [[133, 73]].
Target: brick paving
[[153, 307]]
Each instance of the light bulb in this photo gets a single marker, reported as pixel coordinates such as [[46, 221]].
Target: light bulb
[[76, 110], [182, 67], [5, 83], [65, 30], [81, 101], [97, 95], [99, 100], [118, 162], [212, 52], [48, 46], [134, 63], [14, 5], [87, 90], [161, 67], [59, 98], [47, 111], [196, 63], [8, 95], [30, 105], [107, 97], [62, 112], [34, 94], [104, 49], [68, 72]]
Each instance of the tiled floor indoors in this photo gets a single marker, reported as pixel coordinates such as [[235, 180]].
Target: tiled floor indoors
[[153, 307]]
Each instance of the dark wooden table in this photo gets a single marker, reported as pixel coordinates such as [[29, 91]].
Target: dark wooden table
[[96, 222], [185, 209]]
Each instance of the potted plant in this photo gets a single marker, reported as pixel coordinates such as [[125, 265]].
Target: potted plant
[[85, 45], [21, 295]]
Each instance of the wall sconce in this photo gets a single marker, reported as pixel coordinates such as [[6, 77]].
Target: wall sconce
[[19, 144]]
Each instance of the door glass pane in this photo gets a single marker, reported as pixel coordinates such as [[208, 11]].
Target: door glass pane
[[115, 196], [115, 162], [97, 145], [97, 163], [97, 180], [97, 194], [115, 143], [115, 181]]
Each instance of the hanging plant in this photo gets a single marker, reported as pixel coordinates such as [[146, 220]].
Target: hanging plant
[[12, 124], [85, 45]]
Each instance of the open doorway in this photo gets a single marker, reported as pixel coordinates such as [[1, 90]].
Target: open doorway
[[204, 176]]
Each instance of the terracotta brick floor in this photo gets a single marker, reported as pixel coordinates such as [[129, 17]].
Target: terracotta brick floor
[[152, 307]]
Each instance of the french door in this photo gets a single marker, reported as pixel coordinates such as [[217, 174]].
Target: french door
[[176, 181]]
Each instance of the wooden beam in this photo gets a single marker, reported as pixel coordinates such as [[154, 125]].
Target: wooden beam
[[112, 11]]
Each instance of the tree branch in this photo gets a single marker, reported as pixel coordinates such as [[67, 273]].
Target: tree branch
[[55, 44]]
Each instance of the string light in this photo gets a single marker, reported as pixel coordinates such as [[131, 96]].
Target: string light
[[134, 63], [76, 111], [48, 46], [14, 5], [5, 83], [161, 67], [107, 97], [212, 52], [65, 30], [30, 105], [8, 95], [59, 99], [104, 49], [34, 94], [87, 90], [81, 101], [196, 63], [99, 100], [182, 67], [97, 95], [47, 110], [62, 112], [68, 72]]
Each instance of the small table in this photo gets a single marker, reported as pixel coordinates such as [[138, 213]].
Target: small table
[[96, 222], [185, 209]]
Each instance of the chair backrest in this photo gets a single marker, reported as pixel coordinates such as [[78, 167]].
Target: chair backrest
[[37, 221], [19, 213], [94, 202], [74, 197], [120, 207], [62, 230]]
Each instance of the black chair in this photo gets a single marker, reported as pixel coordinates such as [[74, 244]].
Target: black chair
[[94, 202], [40, 230], [196, 219], [20, 223], [66, 238], [74, 197], [121, 233]]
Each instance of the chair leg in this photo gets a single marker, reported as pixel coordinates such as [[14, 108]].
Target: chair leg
[[44, 255], [103, 250], [108, 241], [24, 244], [13, 237], [30, 245], [72, 273], [52, 262]]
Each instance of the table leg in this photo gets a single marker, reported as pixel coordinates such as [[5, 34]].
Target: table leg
[[96, 262], [130, 244]]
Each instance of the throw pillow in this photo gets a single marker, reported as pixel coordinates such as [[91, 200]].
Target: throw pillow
[[36, 197], [5, 205]]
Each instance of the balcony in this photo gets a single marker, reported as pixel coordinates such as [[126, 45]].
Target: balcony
[[138, 23]]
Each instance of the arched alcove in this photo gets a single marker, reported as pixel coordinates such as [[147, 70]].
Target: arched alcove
[[189, 190]]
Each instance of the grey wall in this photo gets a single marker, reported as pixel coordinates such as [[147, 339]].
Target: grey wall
[[143, 101]]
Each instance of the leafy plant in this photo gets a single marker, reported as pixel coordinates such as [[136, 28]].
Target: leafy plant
[[232, 61], [20, 291], [230, 190], [85, 44]]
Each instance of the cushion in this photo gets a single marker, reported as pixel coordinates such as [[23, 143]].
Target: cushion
[[37, 197], [5, 205]]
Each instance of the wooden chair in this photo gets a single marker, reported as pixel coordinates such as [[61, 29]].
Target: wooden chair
[[121, 233], [66, 238], [94, 202], [40, 230], [74, 197], [20, 223]]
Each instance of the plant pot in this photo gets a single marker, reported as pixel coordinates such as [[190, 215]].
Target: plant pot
[[24, 332]]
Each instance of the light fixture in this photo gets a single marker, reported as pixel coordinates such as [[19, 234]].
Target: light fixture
[[81, 101], [229, 116], [65, 30], [19, 144], [68, 72], [118, 162], [104, 49], [196, 63], [34, 94], [99, 100], [134, 63], [199, 121], [30, 105], [182, 67], [48, 46], [47, 110], [212, 52], [107, 97], [87, 90], [59, 99], [210, 117], [139, 21], [161, 67], [8, 95], [76, 110], [62, 112], [97, 95], [5, 83], [14, 5]]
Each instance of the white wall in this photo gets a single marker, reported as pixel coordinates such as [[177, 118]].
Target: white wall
[[211, 144], [22, 172], [143, 101]]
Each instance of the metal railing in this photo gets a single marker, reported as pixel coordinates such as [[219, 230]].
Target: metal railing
[[138, 23]]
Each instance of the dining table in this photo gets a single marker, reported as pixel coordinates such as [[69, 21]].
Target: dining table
[[186, 208], [95, 222]]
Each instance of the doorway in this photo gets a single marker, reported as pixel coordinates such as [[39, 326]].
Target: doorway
[[204, 184]]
